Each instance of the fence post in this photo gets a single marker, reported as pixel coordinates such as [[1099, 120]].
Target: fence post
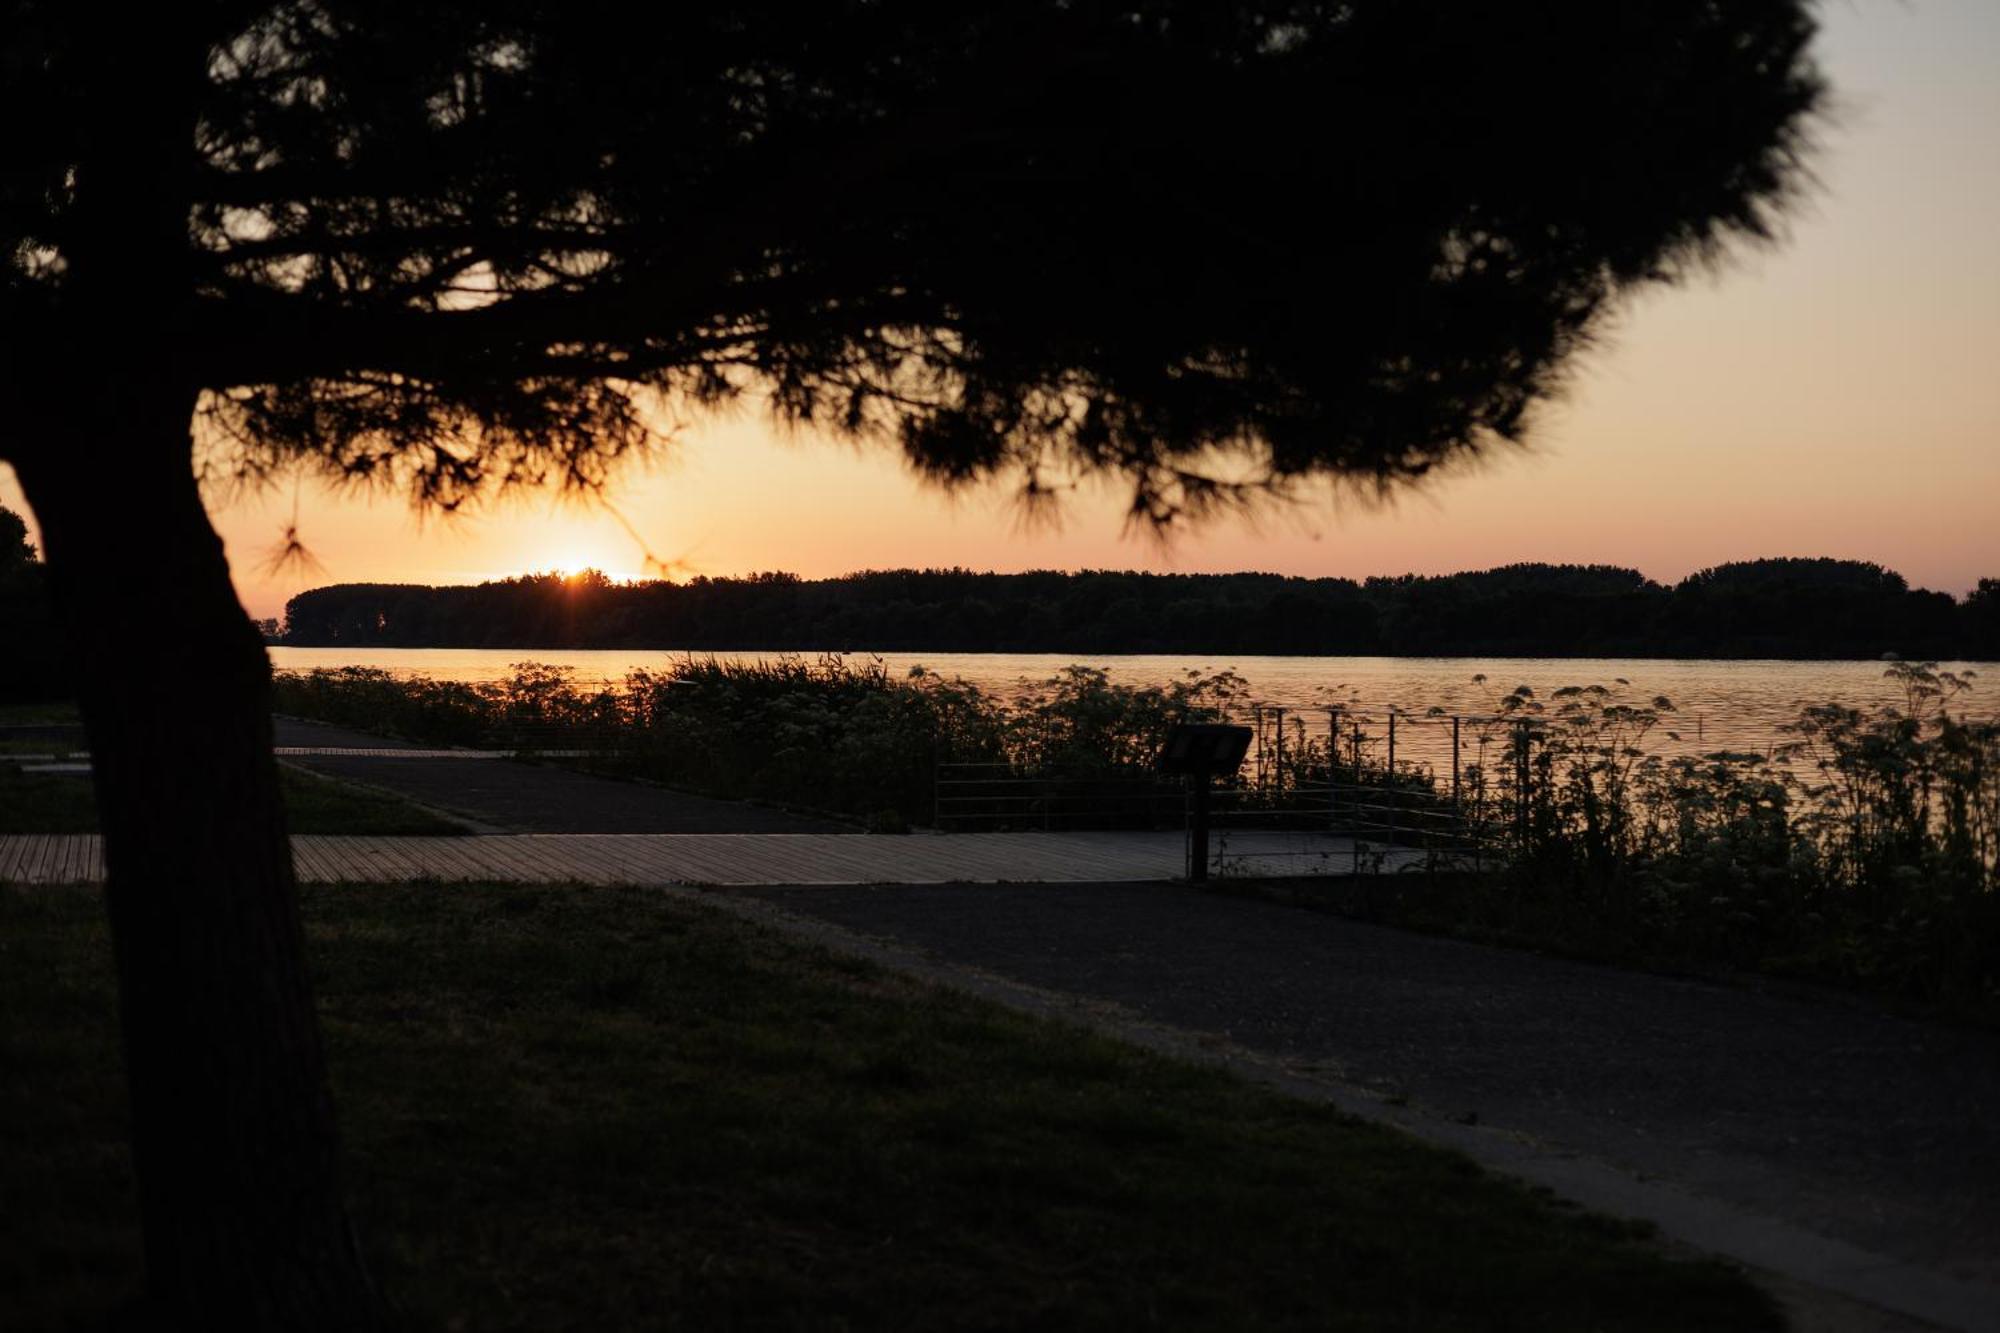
[[1521, 783], [1197, 859], [1278, 764], [1332, 768], [1457, 804], [1257, 728]]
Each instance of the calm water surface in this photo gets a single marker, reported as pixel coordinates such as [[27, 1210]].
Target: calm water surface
[[1735, 705]]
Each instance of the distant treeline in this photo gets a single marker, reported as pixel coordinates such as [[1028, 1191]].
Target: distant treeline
[[1797, 608]]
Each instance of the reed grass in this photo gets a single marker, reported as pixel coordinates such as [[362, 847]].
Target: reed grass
[[1862, 851], [827, 732]]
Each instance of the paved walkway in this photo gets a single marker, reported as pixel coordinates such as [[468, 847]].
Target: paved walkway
[[538, 798], [1805, 1132], [720, 858], [297, 733], [524, 798], [527, 798]]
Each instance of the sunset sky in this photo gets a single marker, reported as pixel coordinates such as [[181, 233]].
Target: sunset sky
[[1839, 396]]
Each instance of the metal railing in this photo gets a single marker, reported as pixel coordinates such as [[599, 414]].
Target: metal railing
[[1373, 793], [997, 796]]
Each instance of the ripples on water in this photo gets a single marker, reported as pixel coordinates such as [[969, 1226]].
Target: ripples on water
[[1733, 705]]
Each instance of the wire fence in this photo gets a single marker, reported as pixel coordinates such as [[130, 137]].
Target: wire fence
[[999, 796], [1345, 787]]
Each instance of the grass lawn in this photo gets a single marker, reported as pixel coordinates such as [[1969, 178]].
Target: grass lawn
[[611, 1109], [13, 746], [64, 803], [44, 712], [1548, 916]]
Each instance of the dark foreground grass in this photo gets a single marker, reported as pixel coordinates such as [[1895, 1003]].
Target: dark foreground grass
[[12, 747], [1524, 911], [611, 1109], [1484, 907], [18, 713], [64, 803]]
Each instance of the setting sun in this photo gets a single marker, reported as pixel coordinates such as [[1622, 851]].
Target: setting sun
[[576, 564], [1024, 662]]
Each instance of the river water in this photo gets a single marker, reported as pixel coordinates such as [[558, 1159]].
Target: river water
[[1736, 705]]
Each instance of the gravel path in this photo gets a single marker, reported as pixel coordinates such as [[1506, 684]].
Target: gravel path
[[292, 731], [1816, 1110], [68, 735], [534, 798]]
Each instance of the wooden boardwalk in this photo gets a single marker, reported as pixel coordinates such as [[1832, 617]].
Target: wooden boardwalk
[[736, 858], [82, 757]]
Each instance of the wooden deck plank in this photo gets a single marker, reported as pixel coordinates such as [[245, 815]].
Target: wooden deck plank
[[34, 858], [307, 867], [349, 860], [634, 866], [535, 863], [34, 867], [79, 866], [14, 859], [325, 861], [520, 863], [588, 861], [37, 871], [60, 856], [737, 858], [713, 863], [629, 859], [447, 862], [616, 860], [45, 851], [437, 860], [380, 869], [412, 856], [502, 856], [713, 860], [552, 857], [406, 855]]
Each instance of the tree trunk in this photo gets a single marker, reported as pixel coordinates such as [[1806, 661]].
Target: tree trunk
[[233, 1128]]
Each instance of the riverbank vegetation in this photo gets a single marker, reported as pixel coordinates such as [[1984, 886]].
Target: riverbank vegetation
[[1792, 608], [1864, 851], [1861, 852], [828, 733], [608, 1108]]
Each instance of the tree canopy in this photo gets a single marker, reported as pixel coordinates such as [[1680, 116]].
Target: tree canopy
[[1209, 248], [30, 663], [16, 551]]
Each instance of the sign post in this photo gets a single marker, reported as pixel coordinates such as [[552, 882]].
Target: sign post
[[1199, 751]]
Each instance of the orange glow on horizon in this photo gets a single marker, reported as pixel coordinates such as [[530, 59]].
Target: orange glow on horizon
[[572, 568], [1833, 396]]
